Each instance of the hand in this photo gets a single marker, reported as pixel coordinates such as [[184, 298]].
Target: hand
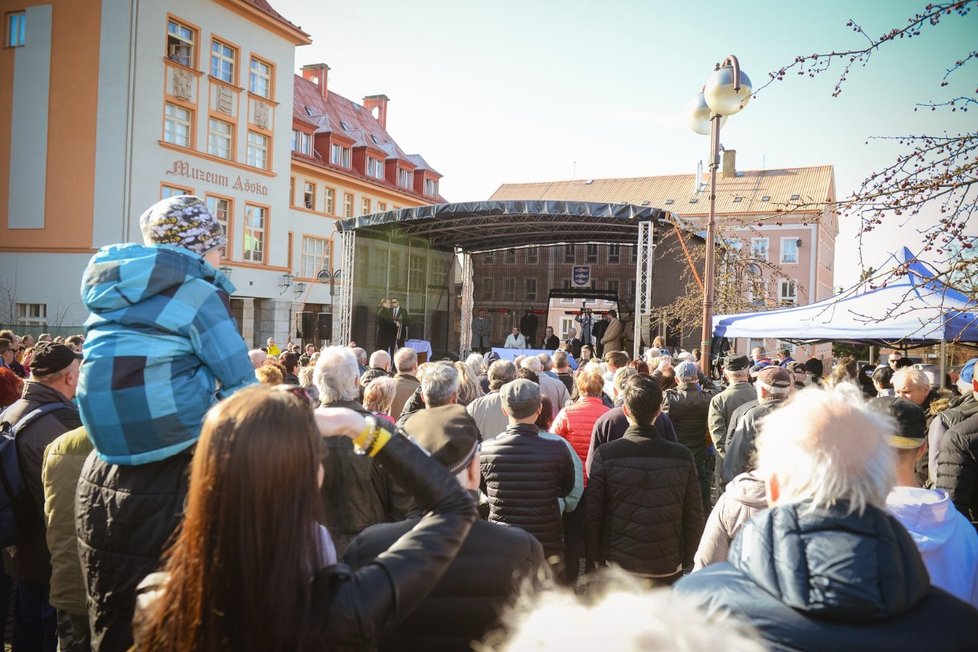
[[339, 422]]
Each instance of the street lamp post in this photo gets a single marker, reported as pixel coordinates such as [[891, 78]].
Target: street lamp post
[[726, 92]]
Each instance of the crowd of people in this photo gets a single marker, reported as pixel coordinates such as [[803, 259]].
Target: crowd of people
[[182, 492]]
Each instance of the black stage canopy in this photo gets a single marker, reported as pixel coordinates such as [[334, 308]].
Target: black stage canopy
[[477, 227]]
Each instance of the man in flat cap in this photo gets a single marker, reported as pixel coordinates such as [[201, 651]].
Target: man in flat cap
[[493, 566], [773, 386], [722, 406]]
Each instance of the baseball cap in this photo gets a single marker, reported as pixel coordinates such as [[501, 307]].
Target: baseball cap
[[773, 376], [447, 433], [911, 421], [968, 371], [521, 397], [50, 358]]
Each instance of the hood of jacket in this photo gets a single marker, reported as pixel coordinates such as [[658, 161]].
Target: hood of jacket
[[928, 515], [121, 275], [748, 489], [830, 564]]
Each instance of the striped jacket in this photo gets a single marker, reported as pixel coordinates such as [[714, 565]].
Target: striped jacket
[[160, 338]]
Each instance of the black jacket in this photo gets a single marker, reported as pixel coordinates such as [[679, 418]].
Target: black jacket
[[490, 571], [124, 516], [832, 581], [644, 507], [523, 475], [32, 561], [348, 610], [613, 424], [957, 467], [356, 491], [689, 407], [741, 445]]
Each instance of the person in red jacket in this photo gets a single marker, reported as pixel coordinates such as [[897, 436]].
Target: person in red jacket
[[575, 423]]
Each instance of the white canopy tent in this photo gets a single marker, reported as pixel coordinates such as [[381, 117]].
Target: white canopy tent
[[912, 308]]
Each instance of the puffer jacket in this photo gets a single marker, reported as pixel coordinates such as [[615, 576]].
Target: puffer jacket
[[959, 409], [644, 507], [160, 337], [741, 441], [523, 476], [689, 406], [957, 467], [575, 423], [745, 496], [829, 580], [63, 461], [348, 610], [124, 516]]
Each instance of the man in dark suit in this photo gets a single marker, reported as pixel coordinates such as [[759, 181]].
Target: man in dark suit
[[495, 563], [528, 326], [386, 328]]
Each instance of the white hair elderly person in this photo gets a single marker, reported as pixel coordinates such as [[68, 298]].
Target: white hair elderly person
[[553, 389], [439, 386], [355, 493], [826, 567]]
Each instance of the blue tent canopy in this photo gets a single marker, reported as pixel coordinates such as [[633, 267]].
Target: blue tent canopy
[[912, 308]]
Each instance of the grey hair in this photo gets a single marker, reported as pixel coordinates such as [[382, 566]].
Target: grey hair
[[627, 616], [380, 359], [687, 370], [771, 389], [440, 382], [476, 362], [361, 355], [532, 363], [916, 377], [405, 359], [827, 446], [545, 360], [500, 373], [560, 359], [337, 374]]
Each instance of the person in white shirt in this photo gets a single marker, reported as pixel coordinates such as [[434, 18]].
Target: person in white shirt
[[947, 542], [515, 340]]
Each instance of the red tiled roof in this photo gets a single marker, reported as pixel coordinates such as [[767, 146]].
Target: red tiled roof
[[265, 8], [341, 116]]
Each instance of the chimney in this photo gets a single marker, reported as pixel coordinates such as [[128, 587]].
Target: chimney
[[729, 164], [378, 102], [317, 73]]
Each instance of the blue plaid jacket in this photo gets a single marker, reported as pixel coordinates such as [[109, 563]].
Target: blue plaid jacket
[[160, 338]]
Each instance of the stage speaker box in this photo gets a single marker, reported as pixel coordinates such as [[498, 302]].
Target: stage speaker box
[[306, 325], [325, 325], [360, 328]]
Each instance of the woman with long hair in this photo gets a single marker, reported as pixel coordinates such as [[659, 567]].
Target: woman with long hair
[[250, 568], [469, 388]]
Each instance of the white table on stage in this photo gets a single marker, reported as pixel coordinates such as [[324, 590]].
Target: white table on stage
[[512, 354], [420, 347]]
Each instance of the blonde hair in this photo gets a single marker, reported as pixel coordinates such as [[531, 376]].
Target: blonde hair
[[378, 395], [269, 375]]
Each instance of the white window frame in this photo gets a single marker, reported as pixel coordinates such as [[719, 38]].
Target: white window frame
[[339, 155], [509, 257], [532, 255], [260, 78], [178, 129], [220, 133], [257, 150], [223, 63], [16, 37], [254, 232], [301, 142], [509, 289], [754, 249], [179, 46], [220, 208], [32, 314], [405, 179], [375, 168], [789, 245], [309, 195], [329, 201], [365, 206], [530, 288], [591, 253], [788, 292], [570, 254], [430, 188], [614, 253], [315, 256], [348, 204]]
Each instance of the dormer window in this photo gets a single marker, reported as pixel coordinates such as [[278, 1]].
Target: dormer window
[[375, 168], [404, 178], [301, 142], [340, 156], [430, 188]]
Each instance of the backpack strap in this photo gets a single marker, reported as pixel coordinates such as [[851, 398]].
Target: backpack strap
[[12, 429]]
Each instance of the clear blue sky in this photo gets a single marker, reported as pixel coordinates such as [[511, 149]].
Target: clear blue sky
[[534, 90]]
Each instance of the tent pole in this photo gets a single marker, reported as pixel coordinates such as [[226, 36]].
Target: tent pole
[[943, 364]]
